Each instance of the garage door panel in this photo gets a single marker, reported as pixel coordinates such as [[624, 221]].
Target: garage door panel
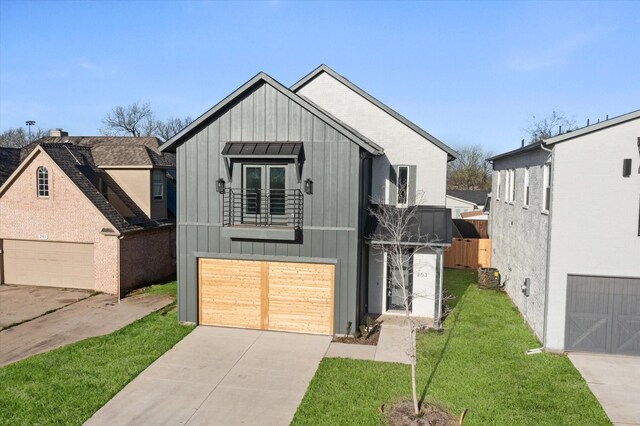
[[283, 296], [230, 293], [49, 263], [603, 315]]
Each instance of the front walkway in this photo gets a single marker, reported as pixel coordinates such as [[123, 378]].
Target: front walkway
[[615, 382], [221, 376]]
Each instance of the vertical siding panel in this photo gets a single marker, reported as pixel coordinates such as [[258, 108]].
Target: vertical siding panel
[[247, 118], [269, 249], [350, 279], [258, 248], [354, 186], [281, 249], [259, 105], [330, 177], [282, 117], [236, 247], [294, 121], [317, 215], [305, 247], [317, 240], [203, 238], [191, 293], [214, 171], [236, 123], [191, 170], [270, 113], [344, 184], [306, 125], [181, 196], [246, 247], [183, 314], [202, 175], [308, 173], [214, 239]]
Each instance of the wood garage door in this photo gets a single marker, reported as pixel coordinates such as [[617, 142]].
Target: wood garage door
[[284, 296], [47, 263], [603, 315]]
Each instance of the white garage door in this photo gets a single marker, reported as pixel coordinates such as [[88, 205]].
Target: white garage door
[[47, 263]]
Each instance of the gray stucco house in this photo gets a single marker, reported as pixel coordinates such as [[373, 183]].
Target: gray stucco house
[[274, 186], [565, 231]]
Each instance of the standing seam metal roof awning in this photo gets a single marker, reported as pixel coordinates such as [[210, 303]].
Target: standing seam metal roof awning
[[262, 150]]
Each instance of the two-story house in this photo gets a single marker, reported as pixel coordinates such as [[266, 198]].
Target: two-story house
[[87, 212], [274, 186], [565, 230]]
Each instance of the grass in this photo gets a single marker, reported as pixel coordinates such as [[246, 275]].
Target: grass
[[67, 385], [478, 363]]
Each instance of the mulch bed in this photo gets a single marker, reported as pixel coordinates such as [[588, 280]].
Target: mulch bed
[[401, 414], [362, 340]]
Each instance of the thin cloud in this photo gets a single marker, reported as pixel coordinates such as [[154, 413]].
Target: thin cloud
[[552, 55]]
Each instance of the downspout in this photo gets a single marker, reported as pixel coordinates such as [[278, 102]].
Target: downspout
[[119, 268], [546, 284], [437, 314]]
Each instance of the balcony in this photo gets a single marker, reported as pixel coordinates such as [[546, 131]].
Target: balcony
[[262, 214]]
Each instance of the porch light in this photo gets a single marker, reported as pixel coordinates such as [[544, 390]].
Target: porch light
[[220, 185], [308, 186]]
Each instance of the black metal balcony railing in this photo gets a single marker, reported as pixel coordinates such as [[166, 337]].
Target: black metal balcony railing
[[263, 207]]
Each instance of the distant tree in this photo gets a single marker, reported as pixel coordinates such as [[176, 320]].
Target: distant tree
[[133, 120], [17, 137], [549, 126], [167, 129], [470, 171], [139, 120]]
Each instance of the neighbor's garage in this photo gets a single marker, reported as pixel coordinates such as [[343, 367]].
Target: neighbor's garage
[[603, 315], [284, 296], [48, 263]]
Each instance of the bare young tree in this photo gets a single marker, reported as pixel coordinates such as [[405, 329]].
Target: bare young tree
[[549, 126], [133, 120], [399, 237], [470, 171]]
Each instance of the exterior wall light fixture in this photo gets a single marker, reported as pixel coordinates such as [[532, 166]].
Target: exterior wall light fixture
[[308, 186], [220, 186]]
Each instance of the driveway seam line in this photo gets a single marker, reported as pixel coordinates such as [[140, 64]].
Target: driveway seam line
[[223, 377]]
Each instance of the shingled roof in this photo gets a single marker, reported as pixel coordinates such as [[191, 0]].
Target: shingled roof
[[77, 163], [9, 161], [114, 150]]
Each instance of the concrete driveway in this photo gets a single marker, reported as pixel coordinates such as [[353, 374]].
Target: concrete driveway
[[42, 318], [615, 381], [221, 376]]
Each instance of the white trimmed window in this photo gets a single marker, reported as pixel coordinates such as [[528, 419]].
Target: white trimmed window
[[546, 195], [158, 184], [42, 181], [403, 185], [498, 186], [512, 186], [526, 188]]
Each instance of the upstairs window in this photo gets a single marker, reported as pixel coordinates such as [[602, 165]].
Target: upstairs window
[[526, 188], [498, 187], [158, 184], [512, 186], [546, 196], [403, 185], [42, 181]]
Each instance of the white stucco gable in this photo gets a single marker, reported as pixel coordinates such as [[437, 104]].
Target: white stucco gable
[[403, 142]]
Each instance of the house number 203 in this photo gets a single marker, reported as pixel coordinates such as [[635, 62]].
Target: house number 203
[[421, 274]]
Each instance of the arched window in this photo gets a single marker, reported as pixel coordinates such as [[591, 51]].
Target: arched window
[[43, 182]]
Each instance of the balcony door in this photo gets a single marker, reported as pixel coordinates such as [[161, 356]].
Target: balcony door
[[264, 193]]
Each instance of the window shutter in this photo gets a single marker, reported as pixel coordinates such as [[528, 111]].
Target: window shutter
[[393, 182], [412, 185]]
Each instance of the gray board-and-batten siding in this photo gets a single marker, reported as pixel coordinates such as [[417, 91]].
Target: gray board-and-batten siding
[[331, 219]]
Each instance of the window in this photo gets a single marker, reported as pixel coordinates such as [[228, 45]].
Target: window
[[158, 184], [546, 196], [265, 190], [42, 181], [512, 186], [403, 185], [526, 188], [498, 187]]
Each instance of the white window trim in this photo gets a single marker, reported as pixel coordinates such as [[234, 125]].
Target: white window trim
[[546, 182], [512, 187], [526, 191], [406, 193], [498, 187], [45, 185], [153, 185]]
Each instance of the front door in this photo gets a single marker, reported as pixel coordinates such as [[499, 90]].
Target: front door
[[264, 194], [395, 295]]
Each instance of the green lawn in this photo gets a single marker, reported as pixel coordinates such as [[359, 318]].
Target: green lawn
[[477, 363], [67, 385]]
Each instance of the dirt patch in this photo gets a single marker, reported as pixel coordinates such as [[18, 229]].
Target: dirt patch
[[367, 334], [401, 414]]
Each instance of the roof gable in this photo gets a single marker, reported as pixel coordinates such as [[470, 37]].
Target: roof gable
[[325, 69], [262, 78]]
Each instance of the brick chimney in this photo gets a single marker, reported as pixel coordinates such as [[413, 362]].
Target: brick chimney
[[58, 133]]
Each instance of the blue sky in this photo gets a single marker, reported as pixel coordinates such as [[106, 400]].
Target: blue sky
[[467, 72]]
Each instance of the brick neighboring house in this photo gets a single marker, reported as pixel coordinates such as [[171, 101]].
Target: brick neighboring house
[[87, 212]]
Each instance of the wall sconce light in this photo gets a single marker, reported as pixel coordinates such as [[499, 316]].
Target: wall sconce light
[[308, 186], [220, 186]]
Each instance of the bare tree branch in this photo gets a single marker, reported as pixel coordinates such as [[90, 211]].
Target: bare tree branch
[[167, 129], [133, 120], [549, 126], [18, 137], [470, 171]]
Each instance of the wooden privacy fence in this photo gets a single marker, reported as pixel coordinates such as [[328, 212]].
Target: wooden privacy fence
[[468, 253]]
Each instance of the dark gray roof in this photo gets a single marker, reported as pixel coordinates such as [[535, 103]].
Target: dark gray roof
[[526, 148], [277, 149], [323, 68], [261, 77], [476, 197], [114, 150], [9, 161], [429, 224], [77, 163]]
